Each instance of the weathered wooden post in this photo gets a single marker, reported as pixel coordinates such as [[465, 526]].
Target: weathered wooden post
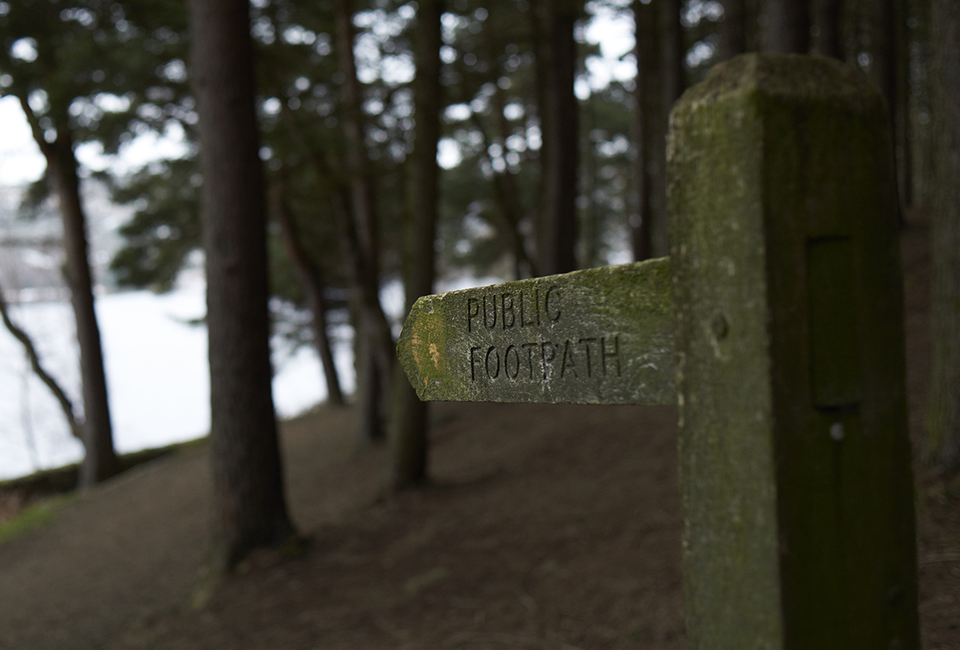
[[783, 330], [795, 467], [598, 336]]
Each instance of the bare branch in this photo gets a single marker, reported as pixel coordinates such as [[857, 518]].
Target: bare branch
[[65, 404], [35, 127]]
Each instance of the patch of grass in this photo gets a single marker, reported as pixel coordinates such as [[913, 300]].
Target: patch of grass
[[33, 517]]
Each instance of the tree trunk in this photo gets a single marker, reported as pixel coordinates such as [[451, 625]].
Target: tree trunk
[[309, 275], [100, 460], [733, 30], [249, 502], [76, 426], [507, 216], [361, 189], [829, 40], [659, 83], [884, 69], [366, 311], [884, 66], [671, 63], [943, 435], [788, 27], [647, 51], [904, 103], [369, 396], [591, 223], [923, 56], [408, 435], [372, 370], [507, 219], [557, 236], [672, 85]]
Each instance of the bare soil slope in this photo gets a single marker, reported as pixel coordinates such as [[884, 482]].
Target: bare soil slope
[[546, 527]]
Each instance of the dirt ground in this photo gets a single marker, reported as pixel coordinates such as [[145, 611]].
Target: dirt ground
[[549, 527]]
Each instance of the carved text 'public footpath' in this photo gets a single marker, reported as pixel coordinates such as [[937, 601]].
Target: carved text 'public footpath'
[[534, 360], [595, 336]]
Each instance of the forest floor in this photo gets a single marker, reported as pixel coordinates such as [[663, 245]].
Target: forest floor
[[544, 527]]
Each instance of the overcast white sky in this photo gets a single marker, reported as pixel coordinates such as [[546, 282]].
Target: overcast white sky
[[20, 159]]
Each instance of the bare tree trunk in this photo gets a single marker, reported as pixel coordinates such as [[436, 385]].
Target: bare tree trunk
[[923, 58], [507, 220], [76, 426], [674, 82], [884, 66], [408, 436], [884, 69], [788, 27], [361, 189], [904, 102], [100, 460], [733, 29], [364, 287], [591, 226], [659, 84], [829, 40], [672, 86], [369, 396], [557, 236], [372, 370], [309, 275], [508, 209], [648, 94], [943, 434], [249, 501]]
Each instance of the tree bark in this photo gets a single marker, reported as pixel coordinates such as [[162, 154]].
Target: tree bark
[[733, 29], [373, 341], [884, 66], [364, 288], [922, 63], [373, 365], [671, 62], [506, 196], [76, 426], [829, 40], [557, 232], [309, 275], [943, 425], [408, 436], [885, 71], [659, 83], [249, 502], [648, 94], [788, 27], [507, 220], [904, 103], [99, 460]]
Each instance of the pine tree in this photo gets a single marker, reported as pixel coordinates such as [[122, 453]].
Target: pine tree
[[249, 499]]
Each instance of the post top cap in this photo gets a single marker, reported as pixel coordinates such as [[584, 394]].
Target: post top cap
[[794, 78]]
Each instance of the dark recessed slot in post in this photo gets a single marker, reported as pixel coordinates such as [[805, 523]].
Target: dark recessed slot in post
[[834, 353]]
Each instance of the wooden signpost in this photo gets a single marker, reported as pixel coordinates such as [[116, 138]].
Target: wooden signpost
[[599, 336], [776, 327]]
